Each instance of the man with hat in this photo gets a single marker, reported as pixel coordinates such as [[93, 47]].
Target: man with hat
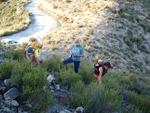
[[34, 52], [76, 51]]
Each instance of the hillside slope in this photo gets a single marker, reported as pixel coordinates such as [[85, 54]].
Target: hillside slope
[[116, 30], [13, 16]]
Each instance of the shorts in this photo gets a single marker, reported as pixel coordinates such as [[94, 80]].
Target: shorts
[[96, 75]]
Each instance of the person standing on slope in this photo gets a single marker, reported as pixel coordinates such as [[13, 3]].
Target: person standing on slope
[[100, 69], [76, 51]]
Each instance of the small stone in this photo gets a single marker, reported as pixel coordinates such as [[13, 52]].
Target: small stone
[[7, 82], [79, 110], [19, 110], [14, 103], [52, 91], [6, 109], [50, 78], [7, 102], [11, 94], [57, 87], [51, 87], [64, 111], [29, 105], [2, 88]]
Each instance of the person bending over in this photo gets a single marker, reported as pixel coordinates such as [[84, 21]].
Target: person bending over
[[31, 40], [34, 51], [100, 69]]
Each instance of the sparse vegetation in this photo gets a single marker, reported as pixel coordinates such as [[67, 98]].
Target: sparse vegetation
[[10, 14], [90, 31]]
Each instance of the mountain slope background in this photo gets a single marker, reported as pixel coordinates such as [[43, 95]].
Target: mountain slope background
[[115, 31]]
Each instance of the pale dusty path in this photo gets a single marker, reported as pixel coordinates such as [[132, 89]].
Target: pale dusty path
[[41, 24]]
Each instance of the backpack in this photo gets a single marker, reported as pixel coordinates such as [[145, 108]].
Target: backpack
[[35, 45], [97, 66]]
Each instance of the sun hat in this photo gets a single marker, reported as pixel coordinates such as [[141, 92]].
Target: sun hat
[[76, 42], [30, 51]]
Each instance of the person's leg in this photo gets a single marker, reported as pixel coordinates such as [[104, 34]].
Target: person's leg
[[68, 60], [76, 66], [39, 56], [32, 58]]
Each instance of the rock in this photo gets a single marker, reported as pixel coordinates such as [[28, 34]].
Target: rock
[[14, 103], [29, 105], [7, 102], [6, 109], [11, 94], [79, 110], [64, 111], [44, 88], [7, 82], [57, 87], [66, 87], [50, 78], [19, 110], [2, 89], [11, 102], [51, 87]]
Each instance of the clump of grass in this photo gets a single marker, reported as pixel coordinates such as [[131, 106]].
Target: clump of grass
[[55, 7], [54, 47], [127, 41], [120, 35], [6, 33], [90, 31]]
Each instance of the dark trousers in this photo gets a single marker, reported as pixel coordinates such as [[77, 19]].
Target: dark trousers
[[76, 64]]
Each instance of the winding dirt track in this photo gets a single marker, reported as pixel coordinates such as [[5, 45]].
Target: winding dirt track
[[41, 24]]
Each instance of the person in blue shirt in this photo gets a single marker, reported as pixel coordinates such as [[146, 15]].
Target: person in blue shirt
[[76, 51]]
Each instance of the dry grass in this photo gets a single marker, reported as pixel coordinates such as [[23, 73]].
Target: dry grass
[[14, 17]]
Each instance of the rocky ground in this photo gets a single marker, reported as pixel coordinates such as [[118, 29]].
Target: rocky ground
[[116, 31]]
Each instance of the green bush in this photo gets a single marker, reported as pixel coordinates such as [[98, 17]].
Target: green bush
[[6, 33], [33, 79], [116, 81], [15, 54], [52, 64], [127, 41], [145, 26], [140, 101], [2, 0], [140, 40], [68, 77], [6, 68], [94, 99], [120, 35], [87, 72], [54, 47]]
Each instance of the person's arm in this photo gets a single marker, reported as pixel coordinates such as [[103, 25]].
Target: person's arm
[[26, 47], [82, 52], [82, 55], [27, 56], [100, 76], [71, 51]]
